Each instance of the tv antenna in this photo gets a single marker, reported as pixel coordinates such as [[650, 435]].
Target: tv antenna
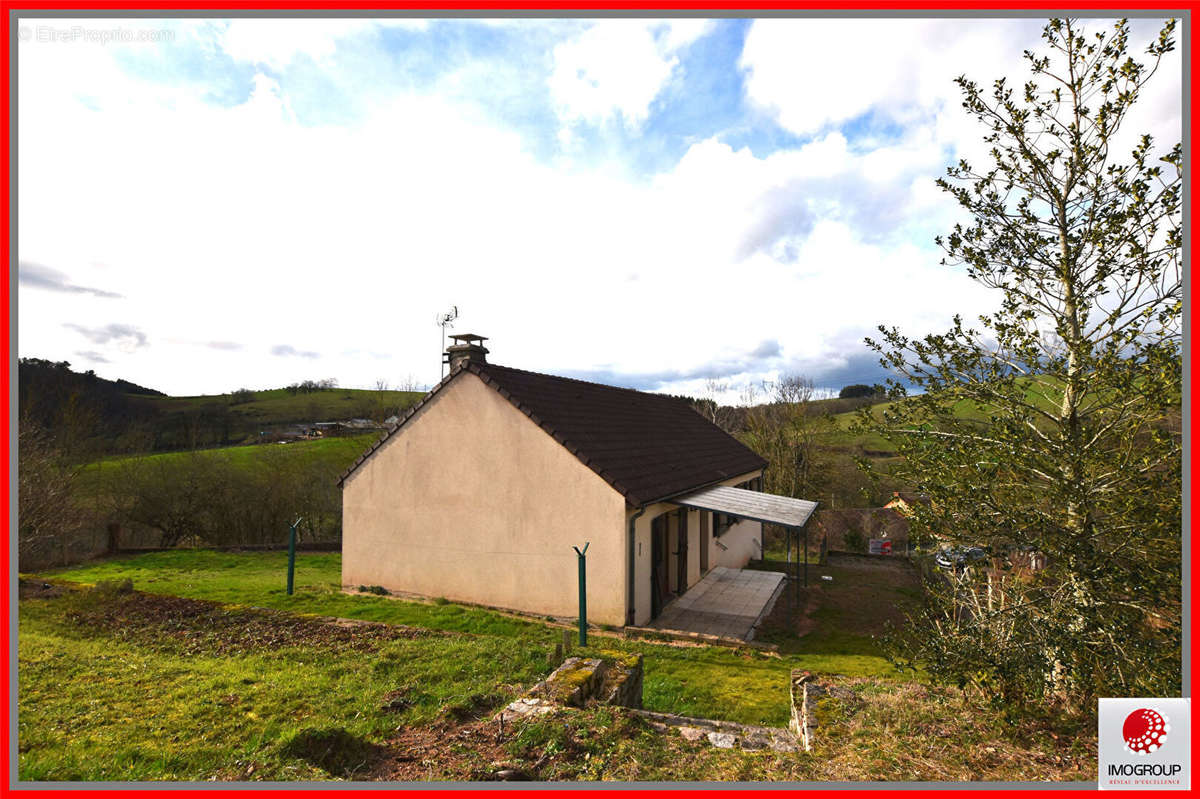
[[445, 320]]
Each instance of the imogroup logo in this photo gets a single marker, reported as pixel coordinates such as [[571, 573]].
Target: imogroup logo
[[1145, 730], [1140, 748]]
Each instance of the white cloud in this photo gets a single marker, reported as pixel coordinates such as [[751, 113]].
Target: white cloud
[[618, 67], [275, 42], [239, 226], [815, 74]]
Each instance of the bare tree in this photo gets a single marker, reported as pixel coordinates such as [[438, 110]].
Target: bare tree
[[710, 407], [49, 516], [410, 383], [787, 430]]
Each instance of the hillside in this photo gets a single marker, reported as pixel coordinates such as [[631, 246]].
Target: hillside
[[283, 406], [90, 417], [244, 417]]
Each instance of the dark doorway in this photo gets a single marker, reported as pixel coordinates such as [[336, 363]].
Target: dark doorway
[[682, 553], [705, 516], [660, 590]]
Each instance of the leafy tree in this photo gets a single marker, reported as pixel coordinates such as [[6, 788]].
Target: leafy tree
[[1054, 423], [242, 396], [857, 390]]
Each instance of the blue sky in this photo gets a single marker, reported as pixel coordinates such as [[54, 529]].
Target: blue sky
[[213, 204]]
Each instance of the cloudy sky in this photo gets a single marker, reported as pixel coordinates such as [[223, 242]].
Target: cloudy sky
[[213, 204]]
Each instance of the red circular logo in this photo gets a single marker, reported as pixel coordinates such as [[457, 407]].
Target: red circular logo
[[1145, 731]]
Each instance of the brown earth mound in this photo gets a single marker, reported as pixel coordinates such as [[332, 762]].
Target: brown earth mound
[[195, 626]]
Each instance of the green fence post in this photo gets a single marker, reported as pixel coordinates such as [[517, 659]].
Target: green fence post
[[292, 555], [582, 592]]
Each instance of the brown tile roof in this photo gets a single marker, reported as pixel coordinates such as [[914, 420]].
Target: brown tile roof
[[910, 498], [646, 446]]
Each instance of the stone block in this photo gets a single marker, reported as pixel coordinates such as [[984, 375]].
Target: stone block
[[722, 740]]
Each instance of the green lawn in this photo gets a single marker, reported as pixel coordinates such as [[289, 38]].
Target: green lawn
[[739, 685], [85, 693], [153, 686]]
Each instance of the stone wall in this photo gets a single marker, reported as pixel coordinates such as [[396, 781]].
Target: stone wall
[[615, 678]]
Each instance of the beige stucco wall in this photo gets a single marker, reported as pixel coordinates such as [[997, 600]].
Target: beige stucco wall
[[473, 502], [742, 543], [738, 539]]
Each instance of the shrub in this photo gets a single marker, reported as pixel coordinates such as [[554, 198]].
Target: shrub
[[854, 541], [242, 396]]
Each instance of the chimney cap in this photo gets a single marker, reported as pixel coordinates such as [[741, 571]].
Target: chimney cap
[[468, 348]]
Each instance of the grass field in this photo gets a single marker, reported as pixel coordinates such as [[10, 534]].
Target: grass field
[[138, 685], [280, 406], [334, 448]]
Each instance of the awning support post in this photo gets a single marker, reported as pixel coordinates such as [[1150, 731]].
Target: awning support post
[[796, 579], [806, 557]]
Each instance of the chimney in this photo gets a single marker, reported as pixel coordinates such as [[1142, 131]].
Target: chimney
[[468, 347]]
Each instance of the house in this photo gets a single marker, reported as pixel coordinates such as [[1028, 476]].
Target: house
[[906, 501], [480, 491]]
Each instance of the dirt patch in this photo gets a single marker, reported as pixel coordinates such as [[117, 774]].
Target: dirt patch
[[449, 750], [563, 745], [36, 589], [195, 626]]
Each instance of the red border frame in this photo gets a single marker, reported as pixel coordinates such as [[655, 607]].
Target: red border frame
[[433, 8]]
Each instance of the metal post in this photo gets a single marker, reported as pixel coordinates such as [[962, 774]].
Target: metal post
[[806, 557], [796, 580], [292, 556], [582, 592]]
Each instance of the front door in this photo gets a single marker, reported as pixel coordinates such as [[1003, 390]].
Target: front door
[[681, 565], [704, 534], [659, 587]]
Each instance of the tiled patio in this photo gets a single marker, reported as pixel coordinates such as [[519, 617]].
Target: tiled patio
[[726, 602]]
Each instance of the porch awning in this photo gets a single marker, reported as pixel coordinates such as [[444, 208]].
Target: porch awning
[[753, 505]]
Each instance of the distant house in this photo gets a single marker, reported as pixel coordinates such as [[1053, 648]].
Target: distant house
[[343, 427], [907, 501], [481, 490]]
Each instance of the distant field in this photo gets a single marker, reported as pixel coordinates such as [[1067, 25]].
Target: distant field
[[334, 448], [280, 406], [847, 444], [331, 456]]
